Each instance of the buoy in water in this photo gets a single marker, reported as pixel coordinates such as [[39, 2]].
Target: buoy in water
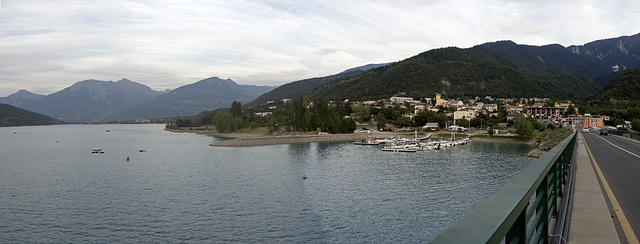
[[127, 158], [304, 177]]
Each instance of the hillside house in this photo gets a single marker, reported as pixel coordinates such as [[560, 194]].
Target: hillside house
[[410, 117], [400, 100], [584, 121], [545, 112], [467, 114], [491, 107], [431, 127], [457, 103], [515, 109]]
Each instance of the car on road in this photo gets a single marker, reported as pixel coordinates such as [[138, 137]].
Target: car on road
[[585, 130], [604, 132]]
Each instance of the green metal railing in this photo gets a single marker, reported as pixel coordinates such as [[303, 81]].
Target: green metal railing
[[629, 134], [520, 211]]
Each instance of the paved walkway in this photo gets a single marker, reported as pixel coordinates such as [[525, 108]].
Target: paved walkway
[[590, 218]]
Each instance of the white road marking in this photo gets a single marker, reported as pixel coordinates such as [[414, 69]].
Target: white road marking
[[619, 147]]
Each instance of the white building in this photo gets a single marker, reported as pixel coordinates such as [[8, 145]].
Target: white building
[[491, 107], [465, 114], [400, 100]]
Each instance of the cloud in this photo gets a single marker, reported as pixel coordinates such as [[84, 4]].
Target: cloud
[[46, 46]]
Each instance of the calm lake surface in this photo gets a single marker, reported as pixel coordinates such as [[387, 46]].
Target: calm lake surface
[[54, 190]]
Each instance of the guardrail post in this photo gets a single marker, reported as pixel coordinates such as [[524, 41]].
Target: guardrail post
[[545, 208], [518, 232], [552, 192]]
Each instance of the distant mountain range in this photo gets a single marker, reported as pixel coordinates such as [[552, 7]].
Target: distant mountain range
[[12, 116], [99, 101], [500, 69], [90, 100], [20, 97], [207, 94]]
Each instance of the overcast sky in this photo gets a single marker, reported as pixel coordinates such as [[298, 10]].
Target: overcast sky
[[47, 45]]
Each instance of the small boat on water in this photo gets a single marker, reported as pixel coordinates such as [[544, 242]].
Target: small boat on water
[[97, 150], [398, 149], [366, 142]]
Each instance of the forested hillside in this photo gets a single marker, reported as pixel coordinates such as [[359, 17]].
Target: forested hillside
[[479, 71], [12, 116], [620, 98]]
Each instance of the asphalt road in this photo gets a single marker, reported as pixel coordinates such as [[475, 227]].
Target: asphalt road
[[619, 160]]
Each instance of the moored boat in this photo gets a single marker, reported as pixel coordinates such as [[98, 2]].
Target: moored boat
[[398, 149]]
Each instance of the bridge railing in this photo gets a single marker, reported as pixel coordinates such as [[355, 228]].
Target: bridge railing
[[521, 210], [629, 134]]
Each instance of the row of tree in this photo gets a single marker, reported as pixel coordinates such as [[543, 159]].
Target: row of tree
[[302, 115]]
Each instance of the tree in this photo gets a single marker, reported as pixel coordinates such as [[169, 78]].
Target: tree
[[347, 125], [635, 124], [524, 128], [322, 112], [570, 110], [223, 121], [382, 121], [477, 122], [401, 122], [442, 120], [236, 109], [361, 113], [333, 124], [183, 122], [300, 115], [425, 116], [462, 122]]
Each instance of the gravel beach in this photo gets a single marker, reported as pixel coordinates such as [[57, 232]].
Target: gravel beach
[[253, 139]]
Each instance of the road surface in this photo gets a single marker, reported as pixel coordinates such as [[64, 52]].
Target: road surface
[[619, 161]]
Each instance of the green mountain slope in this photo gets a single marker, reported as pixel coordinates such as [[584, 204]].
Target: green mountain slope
[[456, 72], [305, 87], [299, 88], [552, 57], [12, 116], [618, 98], [626, 86]]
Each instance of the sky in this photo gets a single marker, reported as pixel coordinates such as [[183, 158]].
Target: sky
[[46, 46]]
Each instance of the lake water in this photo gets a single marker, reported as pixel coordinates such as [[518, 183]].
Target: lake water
[[53, 189]]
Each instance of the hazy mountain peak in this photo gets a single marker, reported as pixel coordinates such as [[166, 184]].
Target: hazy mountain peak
[[125, 80], [91, 99], [365, 67], [206, 94], [19, 97], [23, 92]]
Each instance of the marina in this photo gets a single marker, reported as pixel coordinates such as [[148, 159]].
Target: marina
[[397, 144]]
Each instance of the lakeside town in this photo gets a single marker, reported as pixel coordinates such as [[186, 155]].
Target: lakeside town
[[470, 113]]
